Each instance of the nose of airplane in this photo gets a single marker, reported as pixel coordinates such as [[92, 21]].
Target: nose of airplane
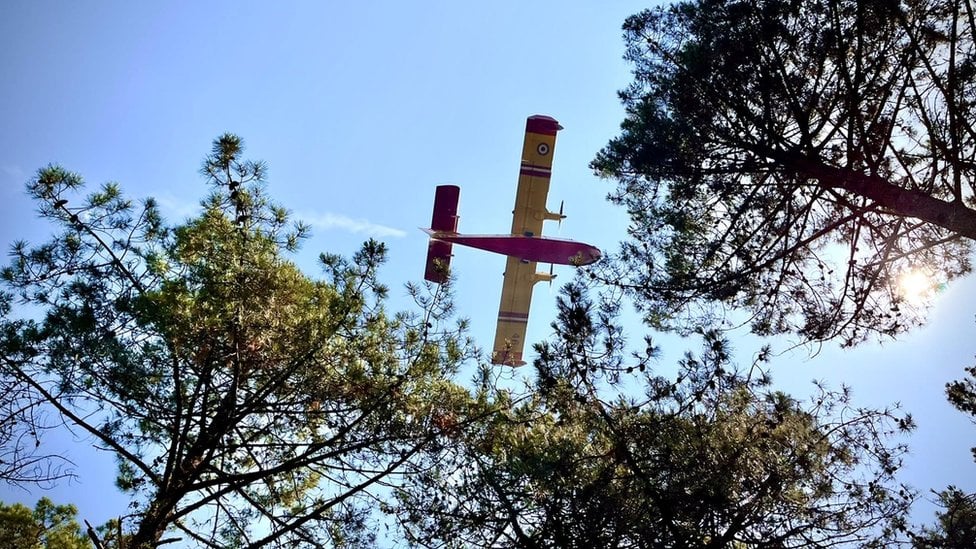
[[594, 253]]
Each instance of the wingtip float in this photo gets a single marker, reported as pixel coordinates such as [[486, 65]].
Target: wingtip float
[[524, 247]]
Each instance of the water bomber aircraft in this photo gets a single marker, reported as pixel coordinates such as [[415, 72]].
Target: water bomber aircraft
[[524, 247]]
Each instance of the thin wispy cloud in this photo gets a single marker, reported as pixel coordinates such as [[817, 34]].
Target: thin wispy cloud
[[176, 208], [14, 173], [331, 221]]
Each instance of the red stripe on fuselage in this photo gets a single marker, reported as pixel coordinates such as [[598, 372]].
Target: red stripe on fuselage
[[535, 171], [508, 316]]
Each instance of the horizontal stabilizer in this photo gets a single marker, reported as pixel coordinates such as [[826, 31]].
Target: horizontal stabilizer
[[444, 218]]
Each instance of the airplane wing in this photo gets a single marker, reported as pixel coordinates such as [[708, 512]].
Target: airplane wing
[[527, 217], [513, 312], [533, 184]]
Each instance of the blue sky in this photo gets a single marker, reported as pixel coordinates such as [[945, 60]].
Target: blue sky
[[361, 109]]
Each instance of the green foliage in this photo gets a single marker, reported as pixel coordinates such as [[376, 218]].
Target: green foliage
[[962, 395], [956, 521], [712, 457], [245, 402], [795, 159], [956, 528], [48, 526]]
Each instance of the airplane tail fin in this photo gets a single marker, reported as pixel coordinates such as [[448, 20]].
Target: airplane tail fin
[[444, 219]]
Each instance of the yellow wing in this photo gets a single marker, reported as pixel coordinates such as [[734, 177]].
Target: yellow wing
[[536, 169], [527, 217]]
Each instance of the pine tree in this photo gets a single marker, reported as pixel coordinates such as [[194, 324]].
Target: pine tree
[[796, 160], [245, 402]]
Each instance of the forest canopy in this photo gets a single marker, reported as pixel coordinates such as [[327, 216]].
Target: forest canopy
[[796, 160], [249, 404]]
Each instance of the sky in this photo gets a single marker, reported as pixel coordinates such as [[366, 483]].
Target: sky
[[360, 109]]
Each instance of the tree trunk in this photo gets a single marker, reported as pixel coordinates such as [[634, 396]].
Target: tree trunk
[[953, 216]]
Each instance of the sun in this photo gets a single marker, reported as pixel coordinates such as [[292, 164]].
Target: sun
[[916, 286]]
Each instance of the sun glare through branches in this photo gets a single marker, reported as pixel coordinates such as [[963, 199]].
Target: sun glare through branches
[[919, 286]]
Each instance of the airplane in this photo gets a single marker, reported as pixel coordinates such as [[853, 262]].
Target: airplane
[[524, 247]]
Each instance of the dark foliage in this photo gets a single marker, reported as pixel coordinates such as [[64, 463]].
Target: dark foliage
[[956, 523], [795, 160], [711, 457], [245, 402]]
